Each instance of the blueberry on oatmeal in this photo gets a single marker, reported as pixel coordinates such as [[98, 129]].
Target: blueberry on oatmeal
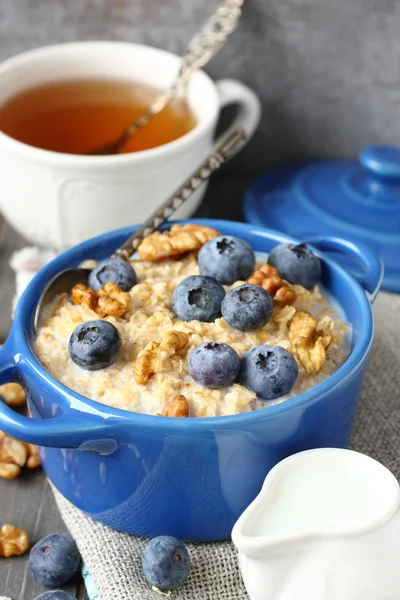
[[214, 365], [54, 560], [113, 270], [198, 298], [297, 264], [247, 307], [270, 371], [94, 345], [165, 563], [227, 259]]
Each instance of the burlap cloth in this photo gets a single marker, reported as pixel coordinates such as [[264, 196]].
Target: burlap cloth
[[113, 558]]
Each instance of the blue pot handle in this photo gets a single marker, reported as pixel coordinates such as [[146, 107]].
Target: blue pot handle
[[370, 264], [64, 431]]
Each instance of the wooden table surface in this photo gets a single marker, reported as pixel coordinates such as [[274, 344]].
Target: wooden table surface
[[27, 501]]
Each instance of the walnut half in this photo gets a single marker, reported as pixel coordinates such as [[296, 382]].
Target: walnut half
[[13, 541], [177, 407], [179, 240], [310, 341], [14, 455], [13, 394], [268, 278], [33, 460], [110, 300], [146, 364]]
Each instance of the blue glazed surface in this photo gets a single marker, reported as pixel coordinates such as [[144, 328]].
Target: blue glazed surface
[[190, 478], [357, 200]]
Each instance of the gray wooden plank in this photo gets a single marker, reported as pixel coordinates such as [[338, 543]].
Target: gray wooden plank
[[27, 502]]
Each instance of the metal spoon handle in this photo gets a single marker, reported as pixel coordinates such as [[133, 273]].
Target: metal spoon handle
[[206, 43], [224, 152]]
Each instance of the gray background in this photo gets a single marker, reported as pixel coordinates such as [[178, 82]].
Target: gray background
[[327, 71]]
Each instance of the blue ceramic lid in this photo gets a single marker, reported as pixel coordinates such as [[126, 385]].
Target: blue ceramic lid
[[357, 200]]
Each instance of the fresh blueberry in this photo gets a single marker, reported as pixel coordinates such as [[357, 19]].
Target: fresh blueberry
[[227, 259], [214, 365], [270, 371], [94, 345], [198, 298], [166, 563], [55, 595], [113, 270], [247, 307], [54, 560], [296, 263]]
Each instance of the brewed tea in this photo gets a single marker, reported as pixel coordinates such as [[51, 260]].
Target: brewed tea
[[74, 116]]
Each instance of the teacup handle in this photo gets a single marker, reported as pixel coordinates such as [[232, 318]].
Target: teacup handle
[[231, 91]]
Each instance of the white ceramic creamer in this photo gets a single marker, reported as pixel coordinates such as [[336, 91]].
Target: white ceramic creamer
[[325, 526]]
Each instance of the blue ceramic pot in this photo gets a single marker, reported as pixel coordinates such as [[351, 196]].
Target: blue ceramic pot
[[190, 478]]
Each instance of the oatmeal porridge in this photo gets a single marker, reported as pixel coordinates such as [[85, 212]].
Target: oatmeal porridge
[[150, 369]]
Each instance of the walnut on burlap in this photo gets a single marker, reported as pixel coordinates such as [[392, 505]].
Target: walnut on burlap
[[113, 558]]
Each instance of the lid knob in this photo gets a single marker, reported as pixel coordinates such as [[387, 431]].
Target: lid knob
[[383, 162]]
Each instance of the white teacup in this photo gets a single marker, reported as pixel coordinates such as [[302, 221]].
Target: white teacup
[[57, 200]]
